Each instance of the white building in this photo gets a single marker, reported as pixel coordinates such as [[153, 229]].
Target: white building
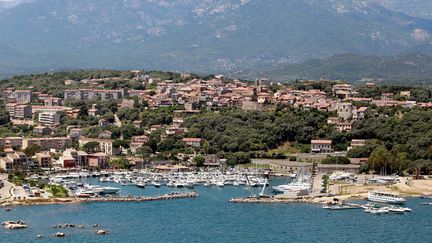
[[49, 118]]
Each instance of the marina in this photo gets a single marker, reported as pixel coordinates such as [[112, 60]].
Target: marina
[[212, 218]]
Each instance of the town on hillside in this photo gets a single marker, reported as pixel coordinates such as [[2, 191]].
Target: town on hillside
[[169, 123]]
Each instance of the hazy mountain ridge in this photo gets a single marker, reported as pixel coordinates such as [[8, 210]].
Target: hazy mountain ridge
[[405, 69], [203, 36]]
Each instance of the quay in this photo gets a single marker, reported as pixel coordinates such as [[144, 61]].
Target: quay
[[139, 199]]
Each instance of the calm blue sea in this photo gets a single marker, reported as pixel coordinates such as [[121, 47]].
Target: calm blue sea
[[211, 218]]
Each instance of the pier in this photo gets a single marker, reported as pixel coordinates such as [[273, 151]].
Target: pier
[[139, 199], [261, 200]]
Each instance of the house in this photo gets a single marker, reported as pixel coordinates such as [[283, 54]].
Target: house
[[321, 146], [105, 134], [41, 131], [105, 145], [14, 161], [406, 94], [76, 133], [138, 142], [357, 143], [93, 111], [73, 158], [212, 160], [52, 101], [44, 160], [98, 161], [344, 110], [193, 142], [333, 120], [370, 85], [23, 96], [387, 96], [286, 166], [361, 113], [344, 126]]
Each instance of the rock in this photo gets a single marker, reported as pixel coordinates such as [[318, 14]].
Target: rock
[[8, 222], [8, 209], [59, 234], [101, 232], [15, 226], [20, 222]]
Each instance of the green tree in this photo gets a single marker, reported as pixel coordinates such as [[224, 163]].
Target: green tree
[[91, 147], [199, 160], [32, 150]]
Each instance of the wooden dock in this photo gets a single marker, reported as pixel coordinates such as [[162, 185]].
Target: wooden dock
[[139, 199]]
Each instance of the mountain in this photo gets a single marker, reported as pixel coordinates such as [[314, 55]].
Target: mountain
[[406, 69], [198, 35], [417, 8]]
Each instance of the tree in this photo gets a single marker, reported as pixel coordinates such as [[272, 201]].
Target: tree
[[32, 150], [121, 143], [379, 159], [91, 147], [120, 163], [199, 160]]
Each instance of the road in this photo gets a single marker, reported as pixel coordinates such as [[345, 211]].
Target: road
[[5, 191]]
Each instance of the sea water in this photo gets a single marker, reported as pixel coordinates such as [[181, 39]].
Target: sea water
[[212, 218]]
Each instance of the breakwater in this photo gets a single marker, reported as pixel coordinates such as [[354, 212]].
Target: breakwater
[[139, 199]]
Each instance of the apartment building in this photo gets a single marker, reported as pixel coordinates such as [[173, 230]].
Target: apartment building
[[46, 144], [49, 118]]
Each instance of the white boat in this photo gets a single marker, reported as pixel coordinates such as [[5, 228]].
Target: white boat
[[140, 184], [109, 190], [385, 197], [396, 210], [378, 211], [170, 184], [156, 184], [179, 184], [220, 184]]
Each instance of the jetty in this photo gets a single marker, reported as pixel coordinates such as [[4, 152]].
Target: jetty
[[170, 196], [261, 200], [72, 200]]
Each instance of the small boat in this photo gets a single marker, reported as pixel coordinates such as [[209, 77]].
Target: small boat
[[385, 197], [156, 184], [170, 184], [396, 210], [140, 184], [377, 211], [109, 190], [206, 184]]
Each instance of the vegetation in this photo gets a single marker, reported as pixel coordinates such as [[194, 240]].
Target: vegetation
[[57, 190]]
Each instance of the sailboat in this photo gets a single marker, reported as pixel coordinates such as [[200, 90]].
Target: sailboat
[[301, 183]]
